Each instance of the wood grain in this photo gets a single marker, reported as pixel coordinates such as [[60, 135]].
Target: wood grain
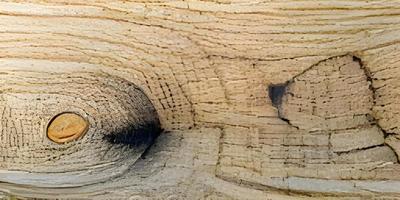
[[206, 67]]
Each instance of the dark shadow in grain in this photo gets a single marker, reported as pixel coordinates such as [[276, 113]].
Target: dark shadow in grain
[[135, 135]]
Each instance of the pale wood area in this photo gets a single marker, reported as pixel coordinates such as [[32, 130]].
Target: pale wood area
[[205, 71]]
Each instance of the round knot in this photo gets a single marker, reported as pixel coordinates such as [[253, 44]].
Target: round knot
[[67, 127]]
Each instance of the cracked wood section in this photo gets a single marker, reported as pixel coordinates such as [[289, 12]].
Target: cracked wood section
[[206, 67], [31, 97]]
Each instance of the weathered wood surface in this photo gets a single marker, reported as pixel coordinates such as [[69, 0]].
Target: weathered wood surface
[[257, 99]]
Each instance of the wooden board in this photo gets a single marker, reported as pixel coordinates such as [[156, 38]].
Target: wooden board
[[256, 99]]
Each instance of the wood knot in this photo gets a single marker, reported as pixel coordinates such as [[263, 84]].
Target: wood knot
[[66, 127]]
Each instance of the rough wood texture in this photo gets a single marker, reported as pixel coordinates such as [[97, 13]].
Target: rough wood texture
[[257, 99]]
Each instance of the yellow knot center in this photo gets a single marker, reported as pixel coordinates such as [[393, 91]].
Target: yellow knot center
[[67, 127]]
